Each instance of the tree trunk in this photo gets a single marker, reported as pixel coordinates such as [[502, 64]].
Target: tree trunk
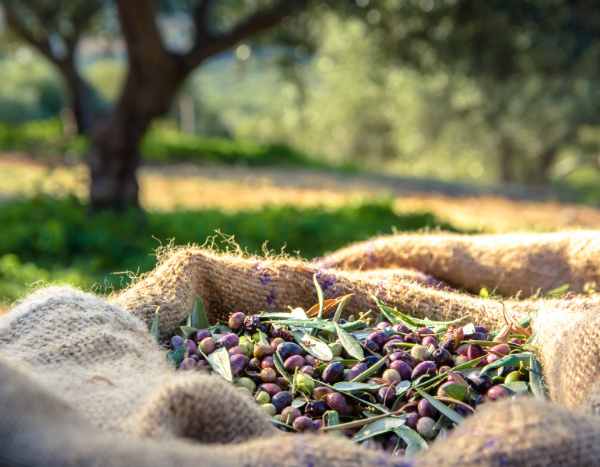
[[507, 158], [115, 157], [81, 95]]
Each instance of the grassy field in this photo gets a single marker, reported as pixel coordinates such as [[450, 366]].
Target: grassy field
[[239, 188]]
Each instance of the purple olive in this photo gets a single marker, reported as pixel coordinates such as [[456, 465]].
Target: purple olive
[[412, 338], [474, 351], [379, 337], [187, 364], [372, 345], [392, 345], [236, 350], [497, 392], [268, 375], [462, 349], [289, 414], [402, 368], [336, 401], [238, 363], [207, 345], [293, 362], [236, 320], [411, 420], [426, 409], [424, 331], [267, 362], [229, 340], [303, 423], [315, 408], [287, 349], [386, 395], [500, 350], [481, 383], [429, 340], [308, 370], [370, 360], [254, 364], [401, 329], [441, 356], [320, 392], [202, 334], [281, 400], [402, 355], [262, 350], [310, 360], [424, 368], [333, 372], [177, 342], [281, 382], [426, 427], [270, 388], [190, 346], [317, 424]]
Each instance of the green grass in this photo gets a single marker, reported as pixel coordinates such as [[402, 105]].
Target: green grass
[[56, 239]]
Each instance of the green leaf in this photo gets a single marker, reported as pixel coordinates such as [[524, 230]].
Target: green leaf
[[402, 387], [331, 418], [187, 331], [278, 362], [219, 362], [350, 344], [319, 295], [199, 318], [508, 360], [535, 378], [414, 441], [275, 315], [456, 391], [340, 308], [442, 408], [262, 338], [378, 427], [176, 356], [373, 369], [349, 386], [298, 402], [314, 346], [558, 291], [155, 326]]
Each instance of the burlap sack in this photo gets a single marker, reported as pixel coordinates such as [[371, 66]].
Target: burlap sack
[[508, 264], [96, 358]]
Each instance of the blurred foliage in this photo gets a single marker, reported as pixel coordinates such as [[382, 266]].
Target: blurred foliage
[[66, 243]]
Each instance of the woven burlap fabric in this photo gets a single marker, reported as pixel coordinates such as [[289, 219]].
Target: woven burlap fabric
[[509, 264], [98, 359]]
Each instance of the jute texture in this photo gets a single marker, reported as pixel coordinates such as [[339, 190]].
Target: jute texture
[[83, 383]]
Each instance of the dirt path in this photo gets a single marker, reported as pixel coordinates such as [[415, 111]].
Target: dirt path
[[235, 188]]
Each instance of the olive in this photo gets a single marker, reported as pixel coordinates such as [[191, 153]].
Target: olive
[[411, 420], [481, 383], [424, 331], [391, 376], [269, 409], [238, 363], [379, 337], [512, 377], [383, 325], [500, 349], [177, 342], [236, 350], [333, 373], [462, 349], [236, 320], [429, 340], [229, 340], [270, 388], [247, 347], [412, 338], [402, 355], [315, 408], [370, 360], [336, 401], [287, 349], [317, 424], [308, 370], [293, 362], [202, 334], [304, 383], [356, 370], [474, 351], [246, 383], [401, 329], [497, 392], [187, 364], [254, 364], [320, 392], [207, 345], [268, 375], [303, 423], [372, 345], [267, 362], [289, 414], [262, 350], [403, 369], [262, 397], [190, 346], [276, 342], [441, 356], [426, 427], [424, 368], [310, 360], [426, 409], [386, 395], [281, 400], [420, 353], [392, 345]]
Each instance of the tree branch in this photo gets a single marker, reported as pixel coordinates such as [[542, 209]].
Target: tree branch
[[257, 22], [40, 44]]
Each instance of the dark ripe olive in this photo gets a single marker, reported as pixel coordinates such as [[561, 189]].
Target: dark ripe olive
[[404, 356], [270, 388], [412, 338], [335, 401], [268, 375], [429, 340], [315, 408], [392, 345], [308, 370], [402, 368], [267, 362], [481, 329], [287, 349], [238, 363], [177, 342], [254, 364], [310, 360], [349, 375], [426, 409], [202, 334], [474, 351], [229, 340], [293, 362], [370, 360], [262, 350], [424, 368], [500, 350], [317, 424], [320, 392], [289, 414], [441, 356], [462, 349], [401, 329], [379, 337], [190, 346], [424, 331], [303, 423], [497, 392], [481, 383], [333, 373], [411, 420], [480, 336], [386, 395], [236, 320], [281, 382], [372, 345], [281, 400]]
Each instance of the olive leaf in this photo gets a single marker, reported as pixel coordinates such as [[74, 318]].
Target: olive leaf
[[176, 356], [262, 338], [349, 386], [452, 415], [558, 291], [298, 402], [350, 344], [378, 427], [319, 295], [331, 418], [219, 362], [507, 360], [414, 441], [314, 346], [278, 362], [187, 331], [343, 301], [535, 378], [402, 387], [198, 317], [370, 371]]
